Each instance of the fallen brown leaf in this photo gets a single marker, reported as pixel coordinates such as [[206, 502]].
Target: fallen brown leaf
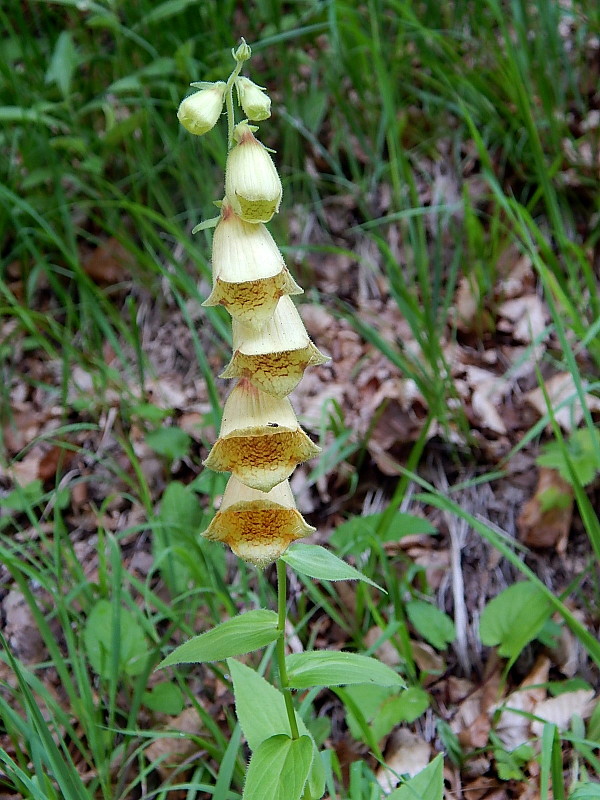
[[559, 388], [542, 526], [406, 754]]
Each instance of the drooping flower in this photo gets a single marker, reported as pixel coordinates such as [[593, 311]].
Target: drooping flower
[[258, 526], [252, 184], [252, 98], [275, 356], [249, 273], [200, 112], [260, 440]]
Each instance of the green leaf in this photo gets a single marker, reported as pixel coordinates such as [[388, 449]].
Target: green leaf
[[586, 791], [411, 704], [100, 636], [22, 498], [514, 618], [173, 542], [167, 698], [260, 709], [63, 63], [317, 562], [581, 449], [383, 708], [242, 634], [359, 533], [426, 785], [434, 625], [333, 668], [170, 442], [279, 768]]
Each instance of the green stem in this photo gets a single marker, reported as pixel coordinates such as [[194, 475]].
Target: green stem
[[229, 103], [280, 648]]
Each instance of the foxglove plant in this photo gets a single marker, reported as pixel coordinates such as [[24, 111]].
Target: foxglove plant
[[260, 443]]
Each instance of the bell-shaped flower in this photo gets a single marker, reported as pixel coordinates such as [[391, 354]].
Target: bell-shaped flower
[[260, 440], [249, 273], [252, 184], [252, 98], [274, 357], [199, 112], [258, 526]]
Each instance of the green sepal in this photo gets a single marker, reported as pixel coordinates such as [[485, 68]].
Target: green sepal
[[206, 224]]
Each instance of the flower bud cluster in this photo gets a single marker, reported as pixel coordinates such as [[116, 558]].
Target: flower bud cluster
[[260, 441]]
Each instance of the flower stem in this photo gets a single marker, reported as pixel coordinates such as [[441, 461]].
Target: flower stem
[[280, 648], [229, 103]]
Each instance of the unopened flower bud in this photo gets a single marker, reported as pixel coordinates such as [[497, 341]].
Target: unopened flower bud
[[273, 358], [199, 112], [258, 526], [252, 184], [249, 273], [252, 98], [260, 440], [243, 52]]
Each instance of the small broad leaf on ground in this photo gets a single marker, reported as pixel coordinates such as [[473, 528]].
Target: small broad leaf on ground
[[580, 449], [319, 563], [166, 698], [513, 618], [170, 442], [100, 636], [179, 520], [336, 668], [426, 785], [279, 768], [65, 60], [434, 625], [360, 533], [260, 709], [384, 707], [242, 634]]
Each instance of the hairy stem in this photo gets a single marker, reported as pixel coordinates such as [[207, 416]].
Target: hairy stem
[[280, 648], [229, 103]]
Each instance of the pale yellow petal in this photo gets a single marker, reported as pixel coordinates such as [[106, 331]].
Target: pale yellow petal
[[260, 440], [257, 526]]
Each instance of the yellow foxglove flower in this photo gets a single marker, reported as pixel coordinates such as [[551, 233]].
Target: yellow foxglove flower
[[199, 112], [260, 440], [252, 184], [258, 526], [274, 357], [249, 273], [252, 98]]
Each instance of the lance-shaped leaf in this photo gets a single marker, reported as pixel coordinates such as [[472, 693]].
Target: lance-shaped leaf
[[275, 356], [249, 273], [260, 440], [333, 668], [279, 769], [258, 526], [317, 562], [242, 634], [260, 709]]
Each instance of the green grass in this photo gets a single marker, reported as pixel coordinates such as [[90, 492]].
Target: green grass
[[371, 96]]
